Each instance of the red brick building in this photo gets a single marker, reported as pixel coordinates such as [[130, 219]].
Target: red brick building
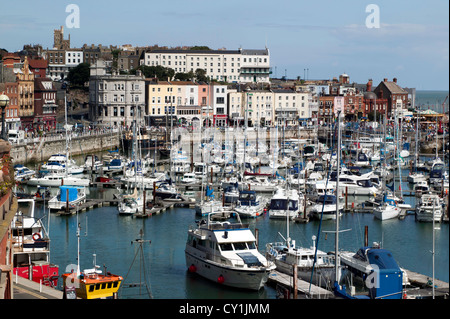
[[44, 104], [374, 103], [38, 67], [9, 59], [393, 93]]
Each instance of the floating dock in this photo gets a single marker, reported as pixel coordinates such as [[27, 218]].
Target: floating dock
[[304, 288], [89, 204]]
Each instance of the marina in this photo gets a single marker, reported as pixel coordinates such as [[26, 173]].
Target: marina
[[169, 206]]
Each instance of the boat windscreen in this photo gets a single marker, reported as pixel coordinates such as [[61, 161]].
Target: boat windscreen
[[250, 259]]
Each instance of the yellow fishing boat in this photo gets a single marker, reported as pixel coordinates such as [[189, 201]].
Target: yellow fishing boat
[[92, 284]]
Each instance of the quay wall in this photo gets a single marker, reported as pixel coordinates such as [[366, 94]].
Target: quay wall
[[40, 149]]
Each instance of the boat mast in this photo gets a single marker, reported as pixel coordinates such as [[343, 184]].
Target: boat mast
[[78, 249], [67, 136], [337, 262]]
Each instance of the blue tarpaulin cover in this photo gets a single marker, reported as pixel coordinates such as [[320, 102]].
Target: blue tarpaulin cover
[[73, 193]]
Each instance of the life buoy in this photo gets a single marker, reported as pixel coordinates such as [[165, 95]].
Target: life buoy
[[36, 236]]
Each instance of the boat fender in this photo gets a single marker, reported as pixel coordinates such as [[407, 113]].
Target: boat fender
[[192, 268], [36, 236], [220, 279]]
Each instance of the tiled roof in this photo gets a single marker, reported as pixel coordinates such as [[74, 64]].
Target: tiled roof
[[38, 64], [394, 88]]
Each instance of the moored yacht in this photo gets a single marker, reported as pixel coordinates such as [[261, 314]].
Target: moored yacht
[[286, 255], [325, 207], [57, 179], [226, 253], [31, 246], [429, 208], [387, 210], [375, 259], [250, 205], [67, 195], [285, 204]]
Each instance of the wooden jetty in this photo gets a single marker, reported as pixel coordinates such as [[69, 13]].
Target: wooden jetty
[[421, 287], [89, 204], [161, 206], [303, 287]]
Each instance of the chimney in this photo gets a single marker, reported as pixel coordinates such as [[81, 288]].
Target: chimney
[[395, 80], [385, 80], [369, 86]]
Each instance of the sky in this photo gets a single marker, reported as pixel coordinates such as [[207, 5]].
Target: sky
[[313, 39]]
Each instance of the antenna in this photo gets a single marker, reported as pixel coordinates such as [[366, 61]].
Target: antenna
[[140, 250]]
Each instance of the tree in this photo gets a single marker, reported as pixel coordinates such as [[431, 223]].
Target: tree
[[79, 74], [158, 71], [184, 76], [200, 47], [200, 75]]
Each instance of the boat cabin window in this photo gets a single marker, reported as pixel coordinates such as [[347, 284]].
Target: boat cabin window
[[247, 196], [240, 246], [282, 203], [226, 247], [364, 183], [237, 246]]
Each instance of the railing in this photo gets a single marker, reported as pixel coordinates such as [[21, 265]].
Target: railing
[[62, 136]]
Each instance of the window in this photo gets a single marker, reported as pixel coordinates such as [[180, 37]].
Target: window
[[240, 246], [226, 246]]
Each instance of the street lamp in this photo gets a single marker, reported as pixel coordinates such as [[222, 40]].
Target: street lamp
[[4, 101]]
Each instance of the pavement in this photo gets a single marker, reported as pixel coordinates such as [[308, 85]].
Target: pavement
[[27, 289]]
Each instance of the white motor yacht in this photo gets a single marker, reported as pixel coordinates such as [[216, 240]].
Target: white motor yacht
[[285, 256], [325, 207], [429, 208], [285, 204], [226, 253], [57, 179]]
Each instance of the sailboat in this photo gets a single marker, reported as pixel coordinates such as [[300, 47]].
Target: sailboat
[[131, 204], [209, 204], [387, 210]]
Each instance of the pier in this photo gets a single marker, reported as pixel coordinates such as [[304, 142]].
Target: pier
[[420, 287], [89, 204], [158, 207], [300, 286]]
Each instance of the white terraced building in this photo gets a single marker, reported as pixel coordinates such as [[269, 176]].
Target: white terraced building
[[239, 66]]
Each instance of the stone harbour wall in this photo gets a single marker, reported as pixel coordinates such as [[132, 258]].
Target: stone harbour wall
[[40, 149]]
